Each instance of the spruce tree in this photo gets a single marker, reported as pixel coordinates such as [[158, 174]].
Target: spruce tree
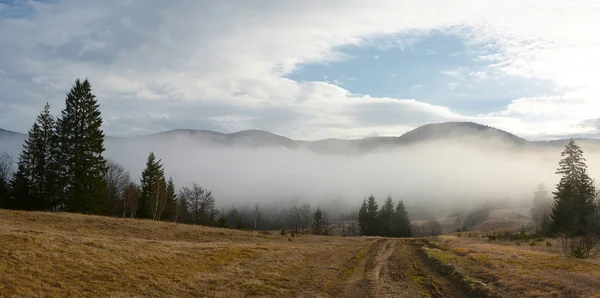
[[401, 223], [81, 144], [44, 154], [385, 218], [363, 220], [150, 182], [372, 207], [34, 183], [21, 195], [317, 228], [171, 201], [574, 195]]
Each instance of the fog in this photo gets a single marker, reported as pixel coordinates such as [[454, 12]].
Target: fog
[[440, 177]]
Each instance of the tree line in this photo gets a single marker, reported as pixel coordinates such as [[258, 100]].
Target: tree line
[[391, 220], [62, 168]]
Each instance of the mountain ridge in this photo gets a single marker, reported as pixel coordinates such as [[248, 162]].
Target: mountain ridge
[[256, 138]]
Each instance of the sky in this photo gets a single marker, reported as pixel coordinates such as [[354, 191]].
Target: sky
[[307, 69]]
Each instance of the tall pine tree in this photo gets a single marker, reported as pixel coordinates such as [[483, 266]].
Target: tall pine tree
[[81, 144], [574, 196], [372, 225], [363, 218], [151, 178], [401, 222], [385, 217], [34, 184]]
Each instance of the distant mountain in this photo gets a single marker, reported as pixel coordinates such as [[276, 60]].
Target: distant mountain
[[457, 131]]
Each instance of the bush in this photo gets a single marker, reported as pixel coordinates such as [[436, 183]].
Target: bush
[[518, 243], [548, 243], [459, 235], [293, 233], [469, 235], [282, 232], [579, 247], [532, 243]]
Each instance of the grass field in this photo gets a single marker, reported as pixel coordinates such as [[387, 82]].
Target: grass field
[[57, 255]]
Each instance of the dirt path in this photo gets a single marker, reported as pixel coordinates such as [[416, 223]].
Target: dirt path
[[395, 268]]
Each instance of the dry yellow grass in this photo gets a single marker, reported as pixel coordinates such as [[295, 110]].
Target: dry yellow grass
[[49, 254], [57, 255], [520, 271]]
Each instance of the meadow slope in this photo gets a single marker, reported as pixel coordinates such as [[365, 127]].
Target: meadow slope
[[61, 254]]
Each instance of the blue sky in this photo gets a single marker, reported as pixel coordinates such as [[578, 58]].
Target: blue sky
[[435, 68], [304, 69]]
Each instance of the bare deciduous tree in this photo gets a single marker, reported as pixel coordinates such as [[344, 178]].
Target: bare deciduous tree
[[256, 215], [117, 181], [7, 163], [131, 198], [6, 168], [327, 222], [201, 204]]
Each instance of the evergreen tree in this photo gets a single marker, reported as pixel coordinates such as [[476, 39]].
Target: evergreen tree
[[20, 184], [150, 181], [372, 207], [401, 222], [35, 181], [317, 228], [542, 204], [385, 218], [363, 220], [81, 144], [171, 201], [574, 196]]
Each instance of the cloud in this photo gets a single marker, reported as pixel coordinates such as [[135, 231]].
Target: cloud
[[452, 73], [453, 85], [418, 86], [195, 63]]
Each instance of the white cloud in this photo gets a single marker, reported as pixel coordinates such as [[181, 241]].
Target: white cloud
[[418, 86], [453, 85], [452, 73], [182, 59], [375, 57]]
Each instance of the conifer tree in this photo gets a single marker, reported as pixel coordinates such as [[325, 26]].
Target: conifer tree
[[363, 221], [81, 144], [401, 223], [385, 218], [317, 228], [151, 178], [372, 207], [171, 200], [20, 185], [574, 196], [35, 181]]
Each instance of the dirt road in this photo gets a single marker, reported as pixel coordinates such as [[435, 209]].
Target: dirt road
[[397, 268]]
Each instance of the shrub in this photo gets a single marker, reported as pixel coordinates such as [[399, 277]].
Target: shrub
[[518, 243], [532, 243], [282, 232], [459, 235], [548, 243]]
